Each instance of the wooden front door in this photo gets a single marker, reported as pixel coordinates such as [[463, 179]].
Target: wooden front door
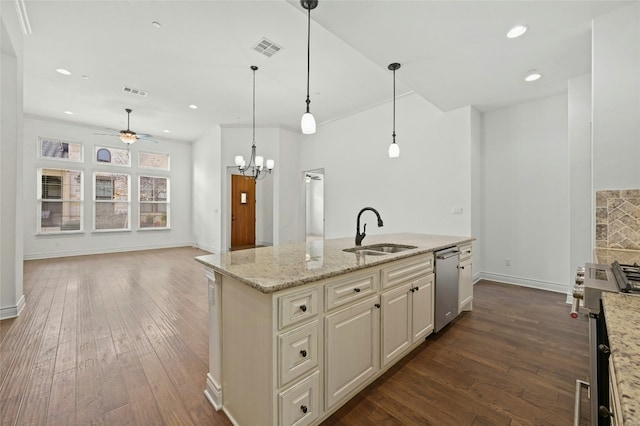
[[243, 211]]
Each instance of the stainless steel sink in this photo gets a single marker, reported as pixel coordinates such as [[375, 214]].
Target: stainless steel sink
[[379, 249], [389, 248]]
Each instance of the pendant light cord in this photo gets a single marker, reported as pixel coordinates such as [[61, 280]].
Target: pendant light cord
[[308, 54], [254, 106], [394, 106]]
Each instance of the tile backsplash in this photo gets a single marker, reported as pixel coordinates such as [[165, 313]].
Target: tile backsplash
[[618, 219]]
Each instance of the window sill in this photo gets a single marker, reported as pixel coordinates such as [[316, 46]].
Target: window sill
[[109, 231], [153, 228], [57, 234]]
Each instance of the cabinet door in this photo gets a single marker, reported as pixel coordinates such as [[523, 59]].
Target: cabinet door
[[465, 285], [396, 322], [352, 348], [422, 308]]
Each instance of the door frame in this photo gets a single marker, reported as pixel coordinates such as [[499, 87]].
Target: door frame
[[319, 171]]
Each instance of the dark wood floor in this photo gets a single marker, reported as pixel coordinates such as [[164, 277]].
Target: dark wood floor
[[122, 339]]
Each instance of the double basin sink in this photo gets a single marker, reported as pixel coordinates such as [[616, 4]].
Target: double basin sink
[[379, 249]]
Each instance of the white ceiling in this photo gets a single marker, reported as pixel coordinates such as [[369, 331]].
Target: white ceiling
[[453, 53]]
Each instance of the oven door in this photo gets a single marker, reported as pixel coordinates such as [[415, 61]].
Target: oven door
[[599, 369]]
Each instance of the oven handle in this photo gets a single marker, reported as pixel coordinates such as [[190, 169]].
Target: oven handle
[[578, 400]]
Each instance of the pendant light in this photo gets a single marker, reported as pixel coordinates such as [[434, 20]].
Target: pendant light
[[394, 148], [308, 123], [255, 169]]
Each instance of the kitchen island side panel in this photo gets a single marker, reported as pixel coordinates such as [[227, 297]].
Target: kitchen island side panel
[[247, 353]]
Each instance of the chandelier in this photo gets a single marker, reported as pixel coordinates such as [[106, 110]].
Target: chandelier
[[256, 168]]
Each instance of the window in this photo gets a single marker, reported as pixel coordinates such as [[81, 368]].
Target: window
[[154, 202], [60, 200], [153, 160], [113, 156], [59, 149], [112, 202]]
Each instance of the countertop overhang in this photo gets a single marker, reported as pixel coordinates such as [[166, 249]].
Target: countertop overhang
[[270, 269]]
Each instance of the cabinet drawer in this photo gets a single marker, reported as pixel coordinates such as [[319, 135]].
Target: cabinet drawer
[[299, 405], [407, 270], [350, 288], [466, 251], [297, 352], [297, 307]]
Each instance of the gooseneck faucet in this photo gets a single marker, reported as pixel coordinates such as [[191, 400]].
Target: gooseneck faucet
[[359, 236]]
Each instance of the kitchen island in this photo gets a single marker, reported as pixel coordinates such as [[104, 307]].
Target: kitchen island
[[297, 330]]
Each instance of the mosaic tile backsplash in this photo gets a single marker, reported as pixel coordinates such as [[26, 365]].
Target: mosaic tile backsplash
[[618, 219]]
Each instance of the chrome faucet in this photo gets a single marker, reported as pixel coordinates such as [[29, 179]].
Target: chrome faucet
[[359, 236]]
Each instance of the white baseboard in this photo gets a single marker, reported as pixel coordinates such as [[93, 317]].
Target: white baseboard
[[524, 282], [13, 311], [208, 248], [34, 256], [213, 392]]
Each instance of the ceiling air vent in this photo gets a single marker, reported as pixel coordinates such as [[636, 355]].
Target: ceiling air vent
[[135, 91], [267, 47]]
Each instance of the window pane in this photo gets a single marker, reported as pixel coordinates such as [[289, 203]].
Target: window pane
[[61, 200], [111, 215], [153, 215], [114, 156], [61, 150], [111, 186], [153, 160]]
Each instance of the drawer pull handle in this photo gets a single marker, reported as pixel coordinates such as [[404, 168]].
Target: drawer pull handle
[[377, 305], [303, 308], [416, 288], [303, 353], [413, 289], [304, 409], [461, 267], [357, 290]]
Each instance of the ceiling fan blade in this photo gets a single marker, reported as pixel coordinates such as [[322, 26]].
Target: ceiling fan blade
[[107, 134], [144, 135]]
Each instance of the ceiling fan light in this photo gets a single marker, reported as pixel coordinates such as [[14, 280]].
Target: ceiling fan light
[[308, 123], [394, 150], [128, 138]]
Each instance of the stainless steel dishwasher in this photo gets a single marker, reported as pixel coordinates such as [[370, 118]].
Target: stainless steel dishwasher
[[446, 300]]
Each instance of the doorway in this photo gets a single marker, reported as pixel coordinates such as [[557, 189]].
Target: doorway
[[314, 204], [243, 212]]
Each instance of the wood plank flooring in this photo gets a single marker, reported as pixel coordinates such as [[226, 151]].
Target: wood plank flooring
[[122, 339]]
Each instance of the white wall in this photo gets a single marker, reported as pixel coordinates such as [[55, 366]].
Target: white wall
[[207, 187], [44, 246], [413, 193], [526, 194], [11, 209], [289, 193], [580, 195], [616, 99], [477, 201]]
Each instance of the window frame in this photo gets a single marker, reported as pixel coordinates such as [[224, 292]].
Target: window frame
[[97, 201], [40, 200], [141, 166], [40, 156], [111, 150], [167, 204]]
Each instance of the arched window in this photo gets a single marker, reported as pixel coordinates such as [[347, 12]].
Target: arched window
[[103, 155]]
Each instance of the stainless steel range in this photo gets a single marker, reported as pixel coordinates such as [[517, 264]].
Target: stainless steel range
[[598, 278]]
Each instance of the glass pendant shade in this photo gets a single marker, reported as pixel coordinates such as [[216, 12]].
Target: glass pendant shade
[[394, 150], [308, 124], [128, 138], [270, 164], [259, 161]]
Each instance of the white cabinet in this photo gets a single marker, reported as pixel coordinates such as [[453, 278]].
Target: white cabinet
[[465, 278], [300, 404], [352, 348], [406, 317]]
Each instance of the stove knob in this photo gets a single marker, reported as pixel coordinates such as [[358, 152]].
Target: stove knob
[[604, 412], [604, 349]]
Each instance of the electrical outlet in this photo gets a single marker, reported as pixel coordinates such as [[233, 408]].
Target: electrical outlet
[[507, 262], [456, 210]]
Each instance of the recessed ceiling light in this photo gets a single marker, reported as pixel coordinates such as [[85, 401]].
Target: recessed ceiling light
[[63, 71], [533, 75], [517, 31], [69, 112], [166, 131], [192, 106], [156, 24]]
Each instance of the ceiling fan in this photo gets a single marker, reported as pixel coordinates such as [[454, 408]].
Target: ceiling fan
[[129, 136]]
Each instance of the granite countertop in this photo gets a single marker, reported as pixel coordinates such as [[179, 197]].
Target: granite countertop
[[270, 269], [622, 315]]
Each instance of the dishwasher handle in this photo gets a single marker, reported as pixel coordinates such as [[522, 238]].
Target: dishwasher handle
[[447, 255]]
